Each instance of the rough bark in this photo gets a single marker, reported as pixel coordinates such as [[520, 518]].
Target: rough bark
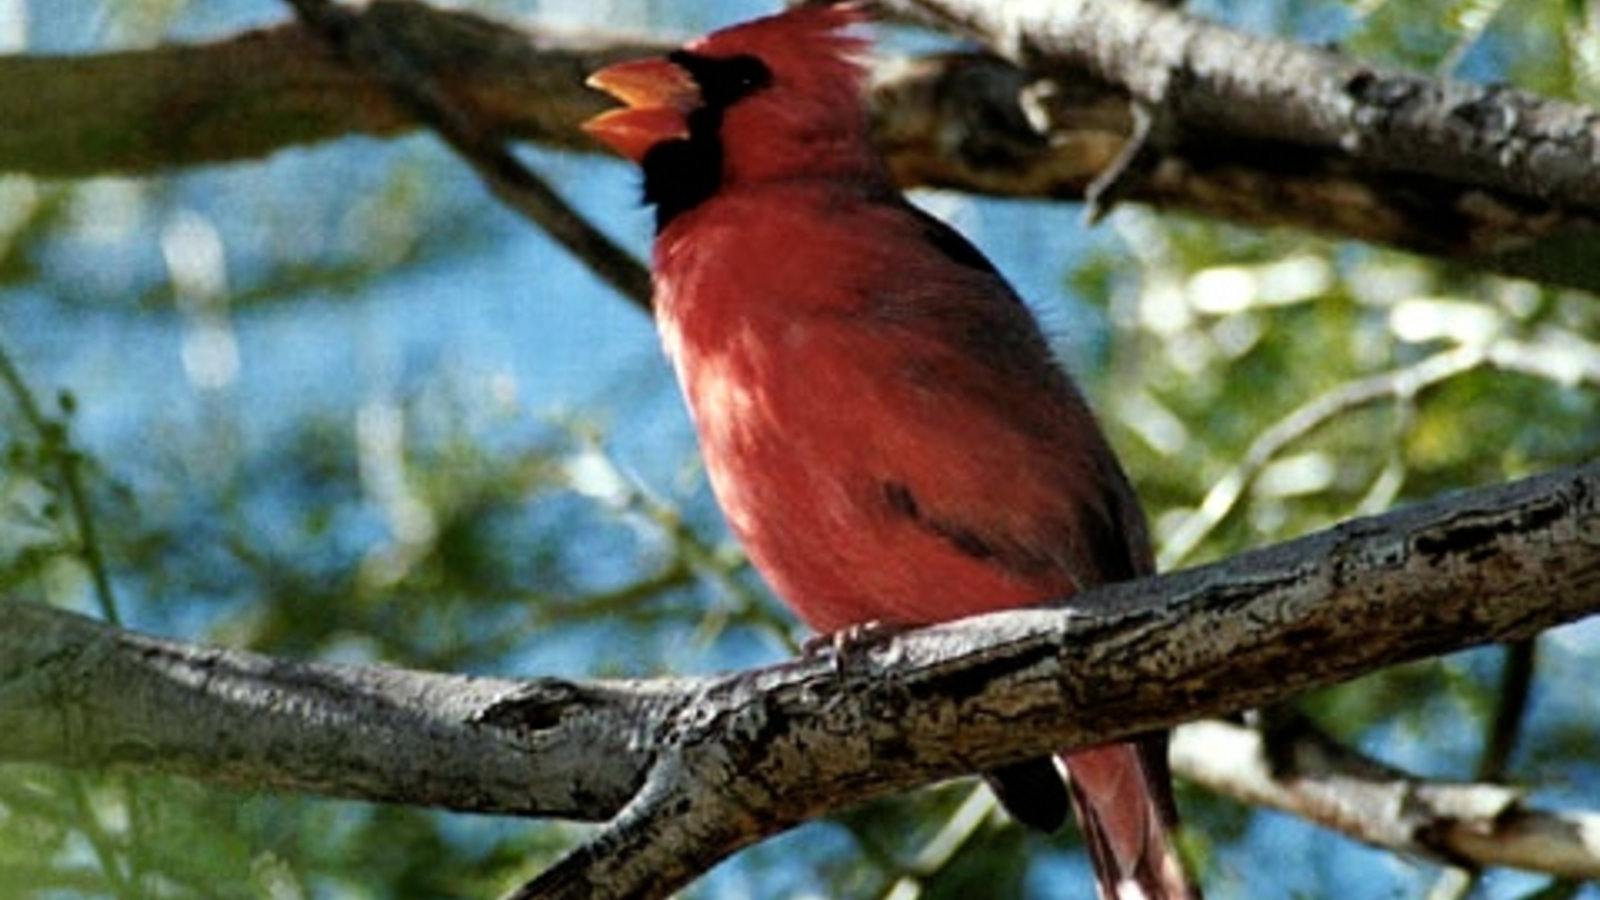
[[1308, 135], [689, 770]]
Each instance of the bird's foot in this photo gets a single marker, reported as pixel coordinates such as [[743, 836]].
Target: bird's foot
[[851, 641]]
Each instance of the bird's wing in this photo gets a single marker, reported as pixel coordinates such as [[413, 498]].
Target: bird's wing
[[980, 390]]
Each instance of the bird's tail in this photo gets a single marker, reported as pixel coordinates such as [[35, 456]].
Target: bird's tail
[[1123, 795]]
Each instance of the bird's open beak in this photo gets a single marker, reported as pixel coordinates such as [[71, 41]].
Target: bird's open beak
[[657, 96]]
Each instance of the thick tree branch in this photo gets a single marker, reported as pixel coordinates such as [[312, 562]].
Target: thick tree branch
[[1437, 166], [1302, 138], [690, 770], [246, 96], [1188, 70], [78, 693]]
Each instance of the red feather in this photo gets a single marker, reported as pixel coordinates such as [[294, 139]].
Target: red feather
[[881, 418]]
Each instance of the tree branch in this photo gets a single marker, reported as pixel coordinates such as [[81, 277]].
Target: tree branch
[[243, 97], [366, 42], [689, 770], [1436, 166], [1307, 139], [1474, 825], [1386, 120]]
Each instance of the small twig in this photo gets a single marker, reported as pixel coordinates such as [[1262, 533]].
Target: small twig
[[1573, 364], [628, 598], [1473, 25], [356, 38], [939, 850], [56, 442], [1226, 493], [1133, 162], [1505, 726], [1511, 701], [69, 461], [99, 841]]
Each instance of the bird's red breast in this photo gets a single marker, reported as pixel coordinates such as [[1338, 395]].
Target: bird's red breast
[[865, 399]]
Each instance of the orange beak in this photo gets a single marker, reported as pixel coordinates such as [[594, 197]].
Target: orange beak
[[657, 96]]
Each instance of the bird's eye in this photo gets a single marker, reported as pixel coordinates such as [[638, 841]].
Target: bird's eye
[[724, 80]]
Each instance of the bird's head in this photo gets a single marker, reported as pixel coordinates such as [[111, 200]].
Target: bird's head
[[774, 98]]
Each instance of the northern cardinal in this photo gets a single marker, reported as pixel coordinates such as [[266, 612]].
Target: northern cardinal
[[881, 418]]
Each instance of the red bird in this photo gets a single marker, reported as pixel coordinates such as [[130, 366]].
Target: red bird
[[881, 418]]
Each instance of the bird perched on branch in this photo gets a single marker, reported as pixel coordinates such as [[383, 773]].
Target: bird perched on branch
[[882, 420]]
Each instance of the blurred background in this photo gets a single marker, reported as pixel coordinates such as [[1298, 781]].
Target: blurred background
[[338, 404]]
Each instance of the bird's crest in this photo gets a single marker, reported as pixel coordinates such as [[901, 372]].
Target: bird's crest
[[809, 46]]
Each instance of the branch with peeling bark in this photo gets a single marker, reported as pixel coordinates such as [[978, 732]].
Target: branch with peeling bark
[[688, 770], [1306, 138]]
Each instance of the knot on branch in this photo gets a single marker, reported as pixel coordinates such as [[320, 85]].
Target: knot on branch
[[538, 705]]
